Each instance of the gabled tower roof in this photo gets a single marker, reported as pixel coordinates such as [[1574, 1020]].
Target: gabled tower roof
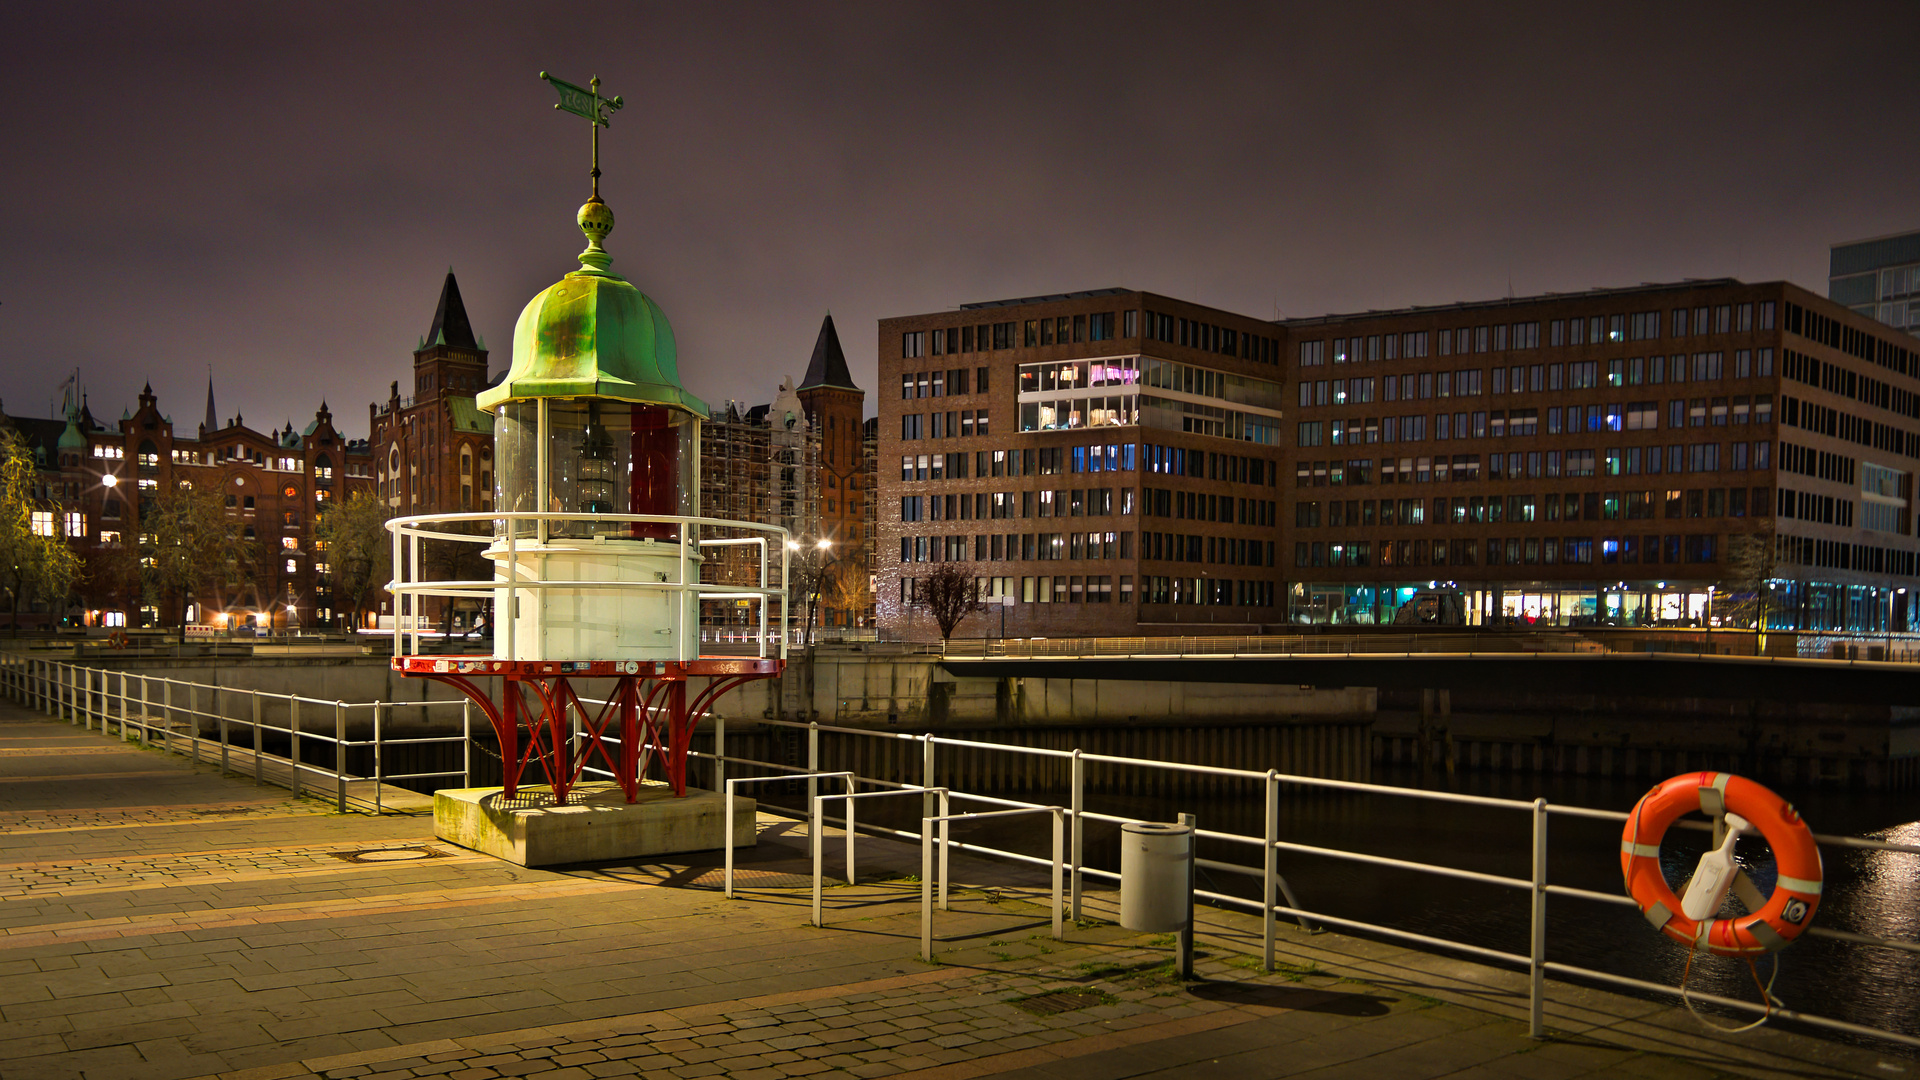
[[829, 365], [450, 325]]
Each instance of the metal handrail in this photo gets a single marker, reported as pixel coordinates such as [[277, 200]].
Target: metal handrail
[[412, 529], [70, 691]]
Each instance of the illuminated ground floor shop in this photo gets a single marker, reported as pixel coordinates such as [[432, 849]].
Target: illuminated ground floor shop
[[1785, 604]]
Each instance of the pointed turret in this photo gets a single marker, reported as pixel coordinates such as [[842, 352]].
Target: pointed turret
[[829, 364], [211, 423], [450, 325]]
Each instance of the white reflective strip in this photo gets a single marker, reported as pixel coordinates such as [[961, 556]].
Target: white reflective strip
[[1799, 885], [1713, 797], [1651, 851]]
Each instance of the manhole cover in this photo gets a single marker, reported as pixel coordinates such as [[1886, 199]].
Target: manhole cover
[[379, 855], [1061, 1001]]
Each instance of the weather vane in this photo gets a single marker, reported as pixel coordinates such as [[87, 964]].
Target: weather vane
[[587, 102]]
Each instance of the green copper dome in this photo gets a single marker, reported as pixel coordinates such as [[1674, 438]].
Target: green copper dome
[[592, 334]]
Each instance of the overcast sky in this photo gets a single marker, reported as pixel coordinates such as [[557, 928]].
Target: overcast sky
[[276, 190]]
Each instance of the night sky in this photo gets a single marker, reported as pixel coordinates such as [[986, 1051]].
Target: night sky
[[276, 190]]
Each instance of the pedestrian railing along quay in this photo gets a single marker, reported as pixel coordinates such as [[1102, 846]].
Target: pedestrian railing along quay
[[170, 713], [1255, 645]]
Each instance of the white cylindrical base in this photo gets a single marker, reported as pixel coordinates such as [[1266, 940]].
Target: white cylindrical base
[[1153, 876], [598, 624]]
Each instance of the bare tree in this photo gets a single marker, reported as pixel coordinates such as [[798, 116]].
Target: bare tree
[[949, 594], [1750, 561]]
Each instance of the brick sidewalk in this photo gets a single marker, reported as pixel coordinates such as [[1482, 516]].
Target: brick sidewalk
[[163, 921]]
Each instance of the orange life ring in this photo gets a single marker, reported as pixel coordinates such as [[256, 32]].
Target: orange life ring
[[117, 639], [1796, 894]]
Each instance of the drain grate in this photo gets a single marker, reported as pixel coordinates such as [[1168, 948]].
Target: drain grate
[[387, 855], [1060, 1001]]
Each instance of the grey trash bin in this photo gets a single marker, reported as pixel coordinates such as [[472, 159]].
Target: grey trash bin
[[1153, 876]]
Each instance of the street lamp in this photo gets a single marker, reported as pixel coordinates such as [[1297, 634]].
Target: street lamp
[[818, 570]]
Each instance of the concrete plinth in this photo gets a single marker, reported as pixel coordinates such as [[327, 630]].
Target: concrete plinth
[[597, 823]]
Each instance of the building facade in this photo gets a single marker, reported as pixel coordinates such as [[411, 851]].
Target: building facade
[[1878, 278], [1104, 462], [99, 480], [1704, 453], [433, 447], [836, 408]]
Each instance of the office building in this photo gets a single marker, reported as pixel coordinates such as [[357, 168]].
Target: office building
[[1104, 462], [1695, 453], [1878, 278]]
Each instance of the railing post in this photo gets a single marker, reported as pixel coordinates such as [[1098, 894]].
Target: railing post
[[1077, 799], [225, 753], [193, 720], [813, 766], [257, 773], [293, 747], [123, 706], [719, 753], [1186, 928], [167, 711], [340, 756], [1269, 871], [379, 760], [466, 742], [926, 775], [1537, 955], [146, 711], [84, 676]]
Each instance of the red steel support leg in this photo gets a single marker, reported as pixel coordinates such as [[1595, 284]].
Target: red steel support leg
[[629, 741], [510, 763], [561, 741]]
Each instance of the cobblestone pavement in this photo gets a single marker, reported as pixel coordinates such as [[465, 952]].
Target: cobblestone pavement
[[163, 921]]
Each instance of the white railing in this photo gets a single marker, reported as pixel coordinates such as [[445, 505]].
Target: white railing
[[409, 584], [1270, 844], [85, 695], [171, 713]]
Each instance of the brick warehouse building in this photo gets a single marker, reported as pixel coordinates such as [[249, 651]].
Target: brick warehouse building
[[1109, 460], [1637, 456], [98, 478], [1692, 453]]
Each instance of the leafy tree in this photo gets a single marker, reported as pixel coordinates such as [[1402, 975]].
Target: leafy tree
[[456, 560], [192, 549], [949, 594], [358, 549], [31, 564], [847, 586]]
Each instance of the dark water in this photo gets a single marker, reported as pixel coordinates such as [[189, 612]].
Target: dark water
[[1865, 892]]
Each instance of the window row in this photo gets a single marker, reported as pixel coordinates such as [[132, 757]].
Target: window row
[[953, 424], [950, 382], [1214, 592], [1194, 334], [1735, 410], [1825, 420], [1216, 550], [1835, 555], [1029, 547], [1512, 551], [1203, 506], [1850, 384], [993, 505], [1207, 465], [1520, 465], [1591, 330], [982, 337], [1517, 509]]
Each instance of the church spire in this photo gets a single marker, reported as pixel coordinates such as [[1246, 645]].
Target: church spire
[[450, 325], [210, 424], [828, 367]]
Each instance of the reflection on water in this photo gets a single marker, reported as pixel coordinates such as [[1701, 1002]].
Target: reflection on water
[[1865, 891]]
